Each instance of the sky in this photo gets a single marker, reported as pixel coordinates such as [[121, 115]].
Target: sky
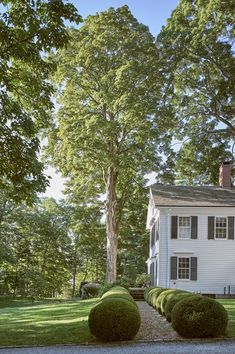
[[152, 13]]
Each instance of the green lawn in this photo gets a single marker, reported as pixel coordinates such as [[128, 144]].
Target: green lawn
[[229, 304], [44, 323]]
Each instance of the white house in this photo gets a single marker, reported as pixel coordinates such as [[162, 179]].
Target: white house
[[192, 244]]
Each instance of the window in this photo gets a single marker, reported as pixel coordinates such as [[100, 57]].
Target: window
[[221, 227], [183, 268], [184, 227]]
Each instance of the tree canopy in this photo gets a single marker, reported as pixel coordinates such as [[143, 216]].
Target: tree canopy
[[28, 30], [197, 60], [106, 134]]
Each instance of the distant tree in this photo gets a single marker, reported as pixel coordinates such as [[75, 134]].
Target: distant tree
[[107, 133], [134, 238], [87, 234], [28, 30], [36, 254], [197, 60]]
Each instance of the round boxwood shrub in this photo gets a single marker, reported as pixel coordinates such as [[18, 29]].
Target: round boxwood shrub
[[114, 319], [162, 299], [172, 301], [155, 297], [116, 290], [151, 295], [119, 296], [199, 317], [146, 292], [110, 286]]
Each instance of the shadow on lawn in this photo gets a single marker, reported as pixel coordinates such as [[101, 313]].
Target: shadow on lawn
[[46, 324]]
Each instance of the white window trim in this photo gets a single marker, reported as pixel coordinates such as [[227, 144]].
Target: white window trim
[[220, 238], [178, 227], [187, 279]]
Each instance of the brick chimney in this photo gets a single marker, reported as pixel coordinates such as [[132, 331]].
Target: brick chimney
[[225, 175]]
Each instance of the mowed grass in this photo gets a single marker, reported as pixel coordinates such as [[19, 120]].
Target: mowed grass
[[229, 305], [44, 324]]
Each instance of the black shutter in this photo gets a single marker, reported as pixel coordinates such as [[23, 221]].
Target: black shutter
[[174, 226], [173, 268], [193, 272], [231, 227], [211, 225], [193, 227]]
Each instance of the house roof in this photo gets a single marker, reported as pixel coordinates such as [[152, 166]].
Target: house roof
[[183, 196]]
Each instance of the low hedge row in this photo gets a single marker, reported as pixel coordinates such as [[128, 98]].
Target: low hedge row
[[192, 316], [115, 317]]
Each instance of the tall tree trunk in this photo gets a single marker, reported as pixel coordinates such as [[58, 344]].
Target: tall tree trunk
[[111, 226]]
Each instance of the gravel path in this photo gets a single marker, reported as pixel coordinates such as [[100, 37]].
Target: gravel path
[[154, 327]]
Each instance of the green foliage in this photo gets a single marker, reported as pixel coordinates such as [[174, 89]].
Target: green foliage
[[146, 292], [199, 317], [118, 292], [116, 289], [114, 319], [154, 298], [122, 282], [108, 89], [172, 300], [197, 61], [153, 294], [38, 246], [133, 237], [142, 280], [28, 30], [162, 300]]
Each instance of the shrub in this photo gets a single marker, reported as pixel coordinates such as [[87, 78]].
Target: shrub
[[114, 319], [121, 282], [143, 280], [120, 296], [199, 317], [90, 290], [117, 292], [162, 299], [151, 294], [124, 282], [155, 296], [173, 299], [146, 292]]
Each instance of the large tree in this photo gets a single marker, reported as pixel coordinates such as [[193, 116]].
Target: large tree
[[106, 134], [28, 30], [197, 60]]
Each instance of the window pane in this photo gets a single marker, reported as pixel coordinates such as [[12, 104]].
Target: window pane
[[220, 227], [183, 268], [184, 227]]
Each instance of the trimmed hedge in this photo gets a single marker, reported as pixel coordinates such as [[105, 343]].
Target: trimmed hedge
[[199, 317], [151, 295], [162, 300], [114, 319], [175, 297], [146, 292], [116, 290], [156, 294]]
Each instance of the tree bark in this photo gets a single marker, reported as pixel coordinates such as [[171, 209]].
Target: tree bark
[[111, 226]]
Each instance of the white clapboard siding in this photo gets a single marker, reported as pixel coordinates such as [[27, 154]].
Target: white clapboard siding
[[215, 258]]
